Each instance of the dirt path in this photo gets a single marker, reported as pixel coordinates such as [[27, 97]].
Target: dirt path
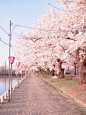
[[36, 97]]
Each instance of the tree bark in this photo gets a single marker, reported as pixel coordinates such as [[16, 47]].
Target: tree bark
[[48, 72], [84, 71], [52, 72], [61, 74], [43, 72], [60, 69], [81, 73]]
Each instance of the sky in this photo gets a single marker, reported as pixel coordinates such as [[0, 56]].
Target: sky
[[20, 12]]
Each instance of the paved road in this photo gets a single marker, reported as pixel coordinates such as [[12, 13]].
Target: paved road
[[36, 97]]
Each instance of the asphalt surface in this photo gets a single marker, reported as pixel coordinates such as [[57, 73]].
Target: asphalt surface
[[36, 97]]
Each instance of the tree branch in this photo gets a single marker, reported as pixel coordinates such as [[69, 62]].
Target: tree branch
[[70, 39]]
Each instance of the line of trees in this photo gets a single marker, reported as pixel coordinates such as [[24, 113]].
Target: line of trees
[[59, 37]]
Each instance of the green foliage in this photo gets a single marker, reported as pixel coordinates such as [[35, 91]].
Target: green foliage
[[67, 77], [5, 99], [56, 74]]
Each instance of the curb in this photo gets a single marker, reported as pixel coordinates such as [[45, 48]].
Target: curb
[[75, 99]]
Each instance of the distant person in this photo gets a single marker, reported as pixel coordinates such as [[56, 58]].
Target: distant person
[[36, 73]]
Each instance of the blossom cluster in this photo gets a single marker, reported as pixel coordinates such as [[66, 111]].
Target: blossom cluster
[[57, 35]]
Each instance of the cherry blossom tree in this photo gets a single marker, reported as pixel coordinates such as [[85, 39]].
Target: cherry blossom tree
[[77, 32], [47, 45], [58, 35]]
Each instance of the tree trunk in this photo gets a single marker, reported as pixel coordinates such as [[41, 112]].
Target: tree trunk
[[43, 72], [48, 71], [52, 72], [84, 77], [84, 71], [81, 73], [60, 70], [61, 74]]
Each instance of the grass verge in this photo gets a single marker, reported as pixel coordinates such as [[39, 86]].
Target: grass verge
[[69, 86]]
